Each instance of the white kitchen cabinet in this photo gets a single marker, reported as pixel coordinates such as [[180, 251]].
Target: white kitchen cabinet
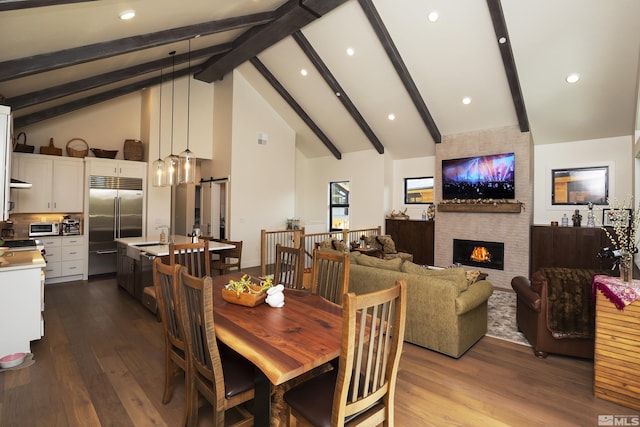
[[66, 257], [122, 168], [57, 183]]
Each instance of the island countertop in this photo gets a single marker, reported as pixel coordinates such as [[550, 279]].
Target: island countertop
[[155, 248], [20, 260]]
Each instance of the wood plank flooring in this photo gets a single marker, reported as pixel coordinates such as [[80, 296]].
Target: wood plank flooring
[[100, 363]]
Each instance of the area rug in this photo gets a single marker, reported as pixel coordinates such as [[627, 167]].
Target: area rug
[[502, 318]]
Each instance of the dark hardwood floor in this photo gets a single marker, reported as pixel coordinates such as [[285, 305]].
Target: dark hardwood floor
[[100, 363]]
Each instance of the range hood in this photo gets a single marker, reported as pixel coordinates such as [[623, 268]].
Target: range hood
[[16, 183]]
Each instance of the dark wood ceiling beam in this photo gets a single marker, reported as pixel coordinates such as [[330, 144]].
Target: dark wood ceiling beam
[[296, 107], [394, 55], [500, 28], [288, 18], [324, 71], [49, 113], [27, 66], [49, 94], [28, 4]]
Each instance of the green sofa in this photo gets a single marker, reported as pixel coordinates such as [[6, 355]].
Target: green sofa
[[444, 312]]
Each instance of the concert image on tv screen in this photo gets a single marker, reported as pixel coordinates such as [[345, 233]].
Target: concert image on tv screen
[[481, 177]]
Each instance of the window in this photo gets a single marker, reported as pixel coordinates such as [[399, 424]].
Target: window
[[418, 191], [339, 205]]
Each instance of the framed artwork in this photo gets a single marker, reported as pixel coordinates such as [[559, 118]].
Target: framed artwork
[[611, 216], [580, 186], [418, 191]]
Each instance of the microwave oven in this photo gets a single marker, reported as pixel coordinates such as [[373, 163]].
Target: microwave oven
[[44, 229]]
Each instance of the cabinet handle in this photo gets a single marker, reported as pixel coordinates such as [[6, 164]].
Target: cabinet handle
[[48, 205], [72, 253]]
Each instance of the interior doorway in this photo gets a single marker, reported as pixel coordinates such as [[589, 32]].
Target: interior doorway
[[219, 205]]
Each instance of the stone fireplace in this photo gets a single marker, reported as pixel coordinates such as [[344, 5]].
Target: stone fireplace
[[509, 229]]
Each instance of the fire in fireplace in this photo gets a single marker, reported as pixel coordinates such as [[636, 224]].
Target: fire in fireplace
[[479, 253]]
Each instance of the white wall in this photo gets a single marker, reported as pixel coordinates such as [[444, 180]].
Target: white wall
[[262, 183], [613, 152], [365, 170], [410, 168], [105, 126]]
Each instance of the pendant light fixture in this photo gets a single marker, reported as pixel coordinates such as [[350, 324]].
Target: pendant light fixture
[[158, 165], [187, 158], [171, 162]]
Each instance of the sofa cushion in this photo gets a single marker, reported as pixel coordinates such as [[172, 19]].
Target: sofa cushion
[[456, 275], [388, 245], [387, 264]]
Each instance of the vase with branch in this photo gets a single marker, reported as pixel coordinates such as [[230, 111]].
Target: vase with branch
[[623, 233]]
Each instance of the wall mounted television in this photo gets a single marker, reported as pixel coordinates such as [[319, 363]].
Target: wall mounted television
[[580, 186], [479, 177]]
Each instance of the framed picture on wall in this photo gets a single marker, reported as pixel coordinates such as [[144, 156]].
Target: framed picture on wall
[[418, 191], [580, 186], [610, 217]]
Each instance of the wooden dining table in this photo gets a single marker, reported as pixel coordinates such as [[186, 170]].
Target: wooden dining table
[[282, 343]]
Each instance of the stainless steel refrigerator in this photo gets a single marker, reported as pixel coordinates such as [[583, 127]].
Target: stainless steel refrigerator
[[115, 211]]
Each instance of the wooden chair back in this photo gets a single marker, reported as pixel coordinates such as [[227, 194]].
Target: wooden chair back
[[372, 336], [229, 258], [165, 282], [206, 371], [289, 266], [194, 256], [330, 275]]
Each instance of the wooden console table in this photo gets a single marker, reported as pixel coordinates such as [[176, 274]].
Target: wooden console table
[[617, 343]]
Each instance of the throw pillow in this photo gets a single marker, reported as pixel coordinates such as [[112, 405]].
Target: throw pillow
[[387, 264], [372, 242], [340, 245], [472, 276], [388, 245], [327, 243]]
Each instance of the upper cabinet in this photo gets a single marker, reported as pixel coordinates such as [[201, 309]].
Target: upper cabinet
[[57, 183], [122, 168]]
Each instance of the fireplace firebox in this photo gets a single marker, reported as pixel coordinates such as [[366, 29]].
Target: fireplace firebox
[[479, 253]]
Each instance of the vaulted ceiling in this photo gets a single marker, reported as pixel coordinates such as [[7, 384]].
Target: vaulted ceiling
[[509, 57]]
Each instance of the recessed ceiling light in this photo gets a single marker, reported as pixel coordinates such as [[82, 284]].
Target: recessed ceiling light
[[337, 93], [433, 16], [303, 72], [127, 14], [573, 78], [466, 100], [502, 40], [350, 51], [391, 116]]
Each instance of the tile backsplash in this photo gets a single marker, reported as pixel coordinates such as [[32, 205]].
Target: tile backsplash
[[21, 221]]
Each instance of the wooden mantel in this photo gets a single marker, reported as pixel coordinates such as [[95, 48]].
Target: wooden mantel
[[481, 207]]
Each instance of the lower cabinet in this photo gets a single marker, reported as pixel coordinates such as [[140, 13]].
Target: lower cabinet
[[414, 237], [66, 256]]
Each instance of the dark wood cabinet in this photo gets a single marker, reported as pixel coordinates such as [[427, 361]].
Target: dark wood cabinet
[[414, 237], [571, 247]]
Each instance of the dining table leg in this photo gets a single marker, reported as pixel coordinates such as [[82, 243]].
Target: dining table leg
[[262, 400]]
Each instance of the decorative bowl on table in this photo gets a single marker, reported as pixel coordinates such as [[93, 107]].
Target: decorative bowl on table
[[245, 292]]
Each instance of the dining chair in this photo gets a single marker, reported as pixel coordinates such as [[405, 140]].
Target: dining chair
[[165, 282], [223, 378], [288, 267], [361, 390], [330, 275], [194, 256], [229, 258]]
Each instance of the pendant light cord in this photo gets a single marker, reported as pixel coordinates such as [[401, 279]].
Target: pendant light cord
[[173, 93], [160, 119], [188, 92]]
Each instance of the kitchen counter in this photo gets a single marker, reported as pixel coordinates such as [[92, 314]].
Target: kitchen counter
[[20, 260], [153, 247]]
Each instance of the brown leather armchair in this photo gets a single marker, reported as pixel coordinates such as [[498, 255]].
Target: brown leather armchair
[[555, 311]]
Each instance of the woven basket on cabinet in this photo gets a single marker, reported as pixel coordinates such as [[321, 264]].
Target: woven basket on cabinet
[[73, 152]]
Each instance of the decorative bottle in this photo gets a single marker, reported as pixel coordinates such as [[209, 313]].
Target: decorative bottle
[[565, 220], [424, 215]]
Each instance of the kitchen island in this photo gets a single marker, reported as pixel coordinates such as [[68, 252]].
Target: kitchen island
[[22, 301], [135, 260]]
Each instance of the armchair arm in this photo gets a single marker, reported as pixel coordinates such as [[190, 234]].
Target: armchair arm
[[476, 294], [522, 286]]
